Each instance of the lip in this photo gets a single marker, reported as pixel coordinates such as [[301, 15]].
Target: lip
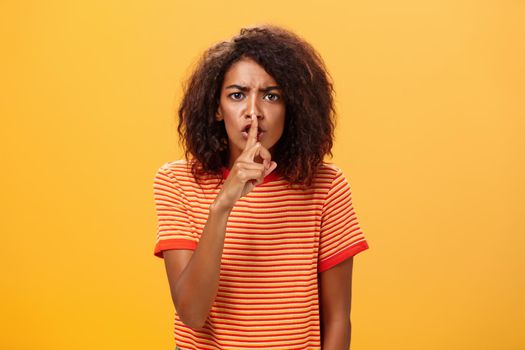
[[247, 128], [260, 131], [260, 135]]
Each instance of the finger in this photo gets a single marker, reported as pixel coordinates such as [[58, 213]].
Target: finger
[[252, 133], [249, 175], [253, 152], [250, 166], [259, 150], [271, 168], [247, 165], [265, 155]]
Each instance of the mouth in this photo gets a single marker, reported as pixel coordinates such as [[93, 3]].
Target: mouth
[[246, 130]]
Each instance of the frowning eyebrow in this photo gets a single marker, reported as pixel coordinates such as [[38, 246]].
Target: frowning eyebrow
[[245, 88]]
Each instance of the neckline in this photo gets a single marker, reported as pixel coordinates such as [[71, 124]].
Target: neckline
[[270, 177]]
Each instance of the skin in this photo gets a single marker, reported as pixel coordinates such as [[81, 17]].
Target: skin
[[335, 299], [241, 98], [194, 276]]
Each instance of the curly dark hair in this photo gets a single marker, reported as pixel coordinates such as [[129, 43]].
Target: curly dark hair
[[308, 96]]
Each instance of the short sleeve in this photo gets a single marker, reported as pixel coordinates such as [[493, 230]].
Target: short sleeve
[[174, 228], [340, 237]]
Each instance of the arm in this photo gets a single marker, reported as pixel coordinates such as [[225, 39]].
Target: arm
[[335, 286], [194, 275]]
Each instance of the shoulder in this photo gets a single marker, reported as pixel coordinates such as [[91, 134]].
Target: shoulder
[[175, 170], [181, 171], [176, 164], [329, 170], [333, 178]]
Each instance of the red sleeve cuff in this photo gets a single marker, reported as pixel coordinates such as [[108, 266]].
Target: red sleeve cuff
[[341, 256], [173, 244]]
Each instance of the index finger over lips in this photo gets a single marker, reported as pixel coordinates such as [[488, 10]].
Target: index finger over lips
[[252, 133]]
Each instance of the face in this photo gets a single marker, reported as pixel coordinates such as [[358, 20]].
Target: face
[[248, 89]]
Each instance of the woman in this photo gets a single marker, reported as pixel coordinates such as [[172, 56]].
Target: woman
[[257, 232]]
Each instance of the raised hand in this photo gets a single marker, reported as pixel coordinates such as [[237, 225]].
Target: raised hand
[[245, 173]]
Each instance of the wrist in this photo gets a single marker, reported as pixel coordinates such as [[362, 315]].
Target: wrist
[[219, 207]]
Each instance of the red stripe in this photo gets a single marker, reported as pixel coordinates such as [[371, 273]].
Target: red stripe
[[341, 256], [234, 290], [277, 242], [220, 296]]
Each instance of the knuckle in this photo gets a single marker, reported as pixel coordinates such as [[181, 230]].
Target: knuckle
[[239, 165]]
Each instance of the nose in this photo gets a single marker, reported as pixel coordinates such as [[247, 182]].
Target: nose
[[253, 108]]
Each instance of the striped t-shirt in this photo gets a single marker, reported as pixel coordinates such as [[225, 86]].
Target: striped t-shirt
[[277, 241]]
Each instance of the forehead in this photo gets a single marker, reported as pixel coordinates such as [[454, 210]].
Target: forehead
[[247, 72]]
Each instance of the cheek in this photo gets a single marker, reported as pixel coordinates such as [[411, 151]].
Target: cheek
[[282, 120], [277, 115], [231, 126], [230, 108]]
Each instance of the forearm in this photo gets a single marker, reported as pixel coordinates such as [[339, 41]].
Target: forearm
[[198, 283], [336, 335]]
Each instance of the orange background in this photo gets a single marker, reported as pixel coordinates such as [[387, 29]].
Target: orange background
[[430, 96]]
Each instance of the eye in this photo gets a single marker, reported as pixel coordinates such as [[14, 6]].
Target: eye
[[236, 94], [275, 97]]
